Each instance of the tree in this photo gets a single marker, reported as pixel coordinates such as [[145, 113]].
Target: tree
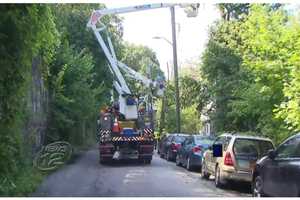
[[251, 71], [266, 54], [26, 32], [143, 60], [231, 11], [221, 69], [289, 109], [71, 22]]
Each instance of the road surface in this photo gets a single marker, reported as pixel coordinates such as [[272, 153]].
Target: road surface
[[86, 177]]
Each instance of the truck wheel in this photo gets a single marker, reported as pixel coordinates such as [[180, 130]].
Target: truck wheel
[[147, 161], [104, 161], [161, 155]]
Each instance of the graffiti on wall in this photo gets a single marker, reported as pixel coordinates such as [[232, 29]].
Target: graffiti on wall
[[53, 156]]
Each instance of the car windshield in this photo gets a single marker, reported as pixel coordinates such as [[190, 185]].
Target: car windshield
[[290, 149], [252, 147], [179, 139], [205, 141]]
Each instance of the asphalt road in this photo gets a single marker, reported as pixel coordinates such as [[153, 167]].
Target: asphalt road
[[86, 177]]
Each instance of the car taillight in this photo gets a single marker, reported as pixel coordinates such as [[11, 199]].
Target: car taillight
[[228, 159], [196, 149], [177, 146]]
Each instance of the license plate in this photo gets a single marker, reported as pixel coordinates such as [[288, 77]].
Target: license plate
[[244, 163]]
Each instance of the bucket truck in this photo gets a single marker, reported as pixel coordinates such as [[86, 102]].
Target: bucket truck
[[125, 130]]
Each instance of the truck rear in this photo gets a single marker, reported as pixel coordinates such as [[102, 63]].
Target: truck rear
[[121, 139]]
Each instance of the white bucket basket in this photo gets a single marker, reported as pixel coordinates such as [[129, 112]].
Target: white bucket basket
[[191, 10]]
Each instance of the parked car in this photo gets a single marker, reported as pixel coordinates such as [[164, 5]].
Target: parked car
[[278, 173], [161, 142], [171, 145], [191, 151], [237, 159]]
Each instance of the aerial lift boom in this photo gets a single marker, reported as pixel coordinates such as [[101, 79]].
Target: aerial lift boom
[[113, 141]]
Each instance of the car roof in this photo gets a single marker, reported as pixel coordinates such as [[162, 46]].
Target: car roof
[[178, 134], [205, 136], [237, 135], [292, 136], [296, 135]]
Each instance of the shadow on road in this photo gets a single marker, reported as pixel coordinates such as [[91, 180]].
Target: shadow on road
[[239, 187], [126, 163]]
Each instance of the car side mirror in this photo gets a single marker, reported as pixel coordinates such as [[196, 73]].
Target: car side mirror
[[271, 154], [217, 150]]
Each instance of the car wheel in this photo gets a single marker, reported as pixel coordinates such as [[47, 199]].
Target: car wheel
[[188, 164], [178, 160], [204, 173], [161, 155], [168, 156], [257, 187], [218, 183]]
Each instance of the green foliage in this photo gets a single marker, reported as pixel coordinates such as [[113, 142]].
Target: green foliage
[[25, 183], [190, 121], [73, 100], [289, 109], [251, 66], [267, 55], [233, 10], [26, 31], [71, 22], [140, 58], [221, 70], [193, 92], [191, 99]]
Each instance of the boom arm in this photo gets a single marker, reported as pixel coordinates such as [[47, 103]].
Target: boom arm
[[97, 14], [114, 65]]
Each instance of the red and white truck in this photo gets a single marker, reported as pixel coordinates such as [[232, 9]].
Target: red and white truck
[[125, 129]]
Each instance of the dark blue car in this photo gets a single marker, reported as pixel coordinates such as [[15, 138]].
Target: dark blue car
[[191, 151]]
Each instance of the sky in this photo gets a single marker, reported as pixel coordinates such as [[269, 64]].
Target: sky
[[192, 33]]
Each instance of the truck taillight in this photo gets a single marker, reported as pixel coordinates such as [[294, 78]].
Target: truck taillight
[[228, 159]]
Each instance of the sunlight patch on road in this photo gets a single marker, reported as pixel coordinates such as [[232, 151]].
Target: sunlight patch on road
[[134, 176]]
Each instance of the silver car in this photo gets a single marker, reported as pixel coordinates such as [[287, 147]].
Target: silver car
[[237, 159]]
